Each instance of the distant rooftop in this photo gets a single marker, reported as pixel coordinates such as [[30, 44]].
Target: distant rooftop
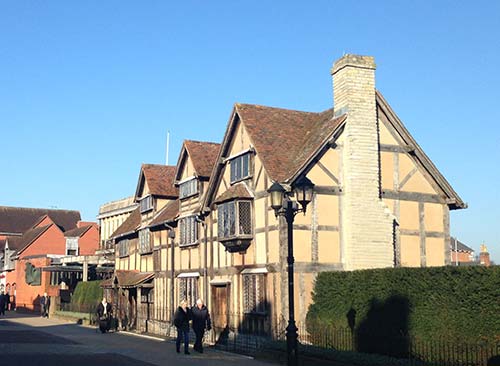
[[112, 208], [457, 245]]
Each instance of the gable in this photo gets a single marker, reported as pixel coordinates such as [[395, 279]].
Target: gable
[[416, 172], [186, 167], [50, 241], [326, 171]]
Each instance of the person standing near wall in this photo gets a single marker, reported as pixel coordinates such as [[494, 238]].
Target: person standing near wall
[[44, 306], [201, 321], [3, 304]]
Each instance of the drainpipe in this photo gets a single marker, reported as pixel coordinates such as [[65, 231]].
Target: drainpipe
[[201, 220], [171, 235]]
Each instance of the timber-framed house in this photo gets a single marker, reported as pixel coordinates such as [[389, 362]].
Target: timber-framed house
[[378, 201]]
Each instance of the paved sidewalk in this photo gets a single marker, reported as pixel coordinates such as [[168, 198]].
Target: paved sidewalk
[[26, 339]]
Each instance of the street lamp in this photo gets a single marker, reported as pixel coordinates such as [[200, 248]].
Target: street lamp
[[283, 206]]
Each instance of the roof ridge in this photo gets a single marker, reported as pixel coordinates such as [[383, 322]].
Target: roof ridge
[[271, 107], [202, 142]]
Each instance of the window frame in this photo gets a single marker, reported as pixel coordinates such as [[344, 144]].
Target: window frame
[[149, 203], [193, 231], [188, 289], [72, 243], [193, 188], [123, 249], [237, 226], [254, 296], [145, 242], [233, 176]]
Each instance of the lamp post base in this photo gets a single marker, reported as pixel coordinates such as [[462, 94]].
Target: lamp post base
[[292, 343]]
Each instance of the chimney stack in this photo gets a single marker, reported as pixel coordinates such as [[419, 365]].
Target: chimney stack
[[367, 224]]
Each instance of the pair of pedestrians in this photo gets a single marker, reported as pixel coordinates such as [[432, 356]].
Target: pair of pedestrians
[[200, 322]]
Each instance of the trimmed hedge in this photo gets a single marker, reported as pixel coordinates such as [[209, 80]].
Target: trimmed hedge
[[452, 303], [87, 293]]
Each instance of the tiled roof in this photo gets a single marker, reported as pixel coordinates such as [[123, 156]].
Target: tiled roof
[[20, 219], [239, 190], [284, 139], [203, 155], [125, 278], [19, 243], [129, 225], [160, 179], [461, 247], [79, 231], [167, 214]]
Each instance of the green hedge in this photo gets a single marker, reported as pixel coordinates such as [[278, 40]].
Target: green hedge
[[87, 293], [452, 303]]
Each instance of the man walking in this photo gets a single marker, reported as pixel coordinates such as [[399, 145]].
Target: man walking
[[201, 321]]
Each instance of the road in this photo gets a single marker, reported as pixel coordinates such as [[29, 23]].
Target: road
[[30, 340]]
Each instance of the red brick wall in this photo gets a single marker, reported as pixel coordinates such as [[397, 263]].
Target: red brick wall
[[27, 296], [89, 242], [52, 241], [46, 221], [484, 259], [462, 257]]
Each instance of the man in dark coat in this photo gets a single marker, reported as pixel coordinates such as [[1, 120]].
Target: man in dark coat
[[104, 310], [201, 321], [181, 321], [44, 305], [2, 303]]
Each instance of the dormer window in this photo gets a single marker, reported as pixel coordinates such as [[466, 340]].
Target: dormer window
[[188, 188], [146, 204], [241, 167]]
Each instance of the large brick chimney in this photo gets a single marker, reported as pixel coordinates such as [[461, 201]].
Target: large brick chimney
[[367, 224]]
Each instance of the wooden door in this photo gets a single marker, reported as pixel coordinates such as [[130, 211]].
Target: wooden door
[[220, 311]]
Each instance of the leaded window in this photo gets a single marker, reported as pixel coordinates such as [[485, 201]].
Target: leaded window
[[145, 242], [240, 167], [188, 228], [146, 203], [188, 188], [234, 219], [254, 294], [188, 290], [123, 248]]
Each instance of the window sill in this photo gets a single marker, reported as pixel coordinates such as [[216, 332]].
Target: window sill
[[241, 179], [182, 246], [124, 256], [146, 252], [190, 196], [235, 237], [256, 313], [236, 244]]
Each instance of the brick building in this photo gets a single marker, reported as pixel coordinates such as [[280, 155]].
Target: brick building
[[34, 239]]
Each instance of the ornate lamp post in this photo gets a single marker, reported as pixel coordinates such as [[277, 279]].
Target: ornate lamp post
[[283, 205]]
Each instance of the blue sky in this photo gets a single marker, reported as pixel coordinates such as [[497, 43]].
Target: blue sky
[[88, 89]]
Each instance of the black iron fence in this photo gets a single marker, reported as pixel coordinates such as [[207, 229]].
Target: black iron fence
[[399, 346], [327, 342]]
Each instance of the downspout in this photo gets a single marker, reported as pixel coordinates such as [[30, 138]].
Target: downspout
[[171, 235], [201, 220]]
